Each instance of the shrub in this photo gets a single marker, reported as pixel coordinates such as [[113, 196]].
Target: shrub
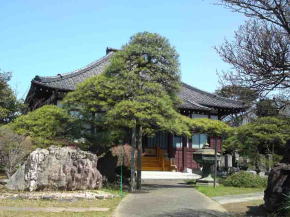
[[47, 125], [14, 148], [285, 206], [245, 179]]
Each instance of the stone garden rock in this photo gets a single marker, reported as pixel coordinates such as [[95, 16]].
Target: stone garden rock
[[57, 168], [278, 183], [278, 186], [64, 196], [3, 181]]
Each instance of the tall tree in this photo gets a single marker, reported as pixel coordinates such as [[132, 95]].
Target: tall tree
[[9, 105], [259, 54], [263, 136], [137, 91], [244, 94]]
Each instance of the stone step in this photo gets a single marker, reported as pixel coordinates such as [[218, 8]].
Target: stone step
[[168, 175]]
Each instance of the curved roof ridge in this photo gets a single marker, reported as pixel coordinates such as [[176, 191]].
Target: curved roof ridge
[[212, 94], [197, 104], [47, 79]]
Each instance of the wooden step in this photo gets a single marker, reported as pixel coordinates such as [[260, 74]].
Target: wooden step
[[150, 161], [151, 168], [149, 158], [145, 168]]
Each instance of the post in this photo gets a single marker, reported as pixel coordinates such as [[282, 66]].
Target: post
[[215, 162], [139, 157], [121, 181], [132, 162]]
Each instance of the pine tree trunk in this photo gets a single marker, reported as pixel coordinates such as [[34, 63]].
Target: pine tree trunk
[[139, 157], [132, 162]]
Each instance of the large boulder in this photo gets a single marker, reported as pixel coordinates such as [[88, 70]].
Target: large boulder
[[57, 168], [278, 183], [278, 186]]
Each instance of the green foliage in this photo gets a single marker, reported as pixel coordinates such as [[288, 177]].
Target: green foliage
[[209, 126], [148, 57], [47, 125], [236, 92], [138, 88], [267, 108], [245, 179], [264, 135], [285, 206], [9, 105]]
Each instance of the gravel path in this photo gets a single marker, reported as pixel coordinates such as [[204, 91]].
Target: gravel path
[[168, 198]]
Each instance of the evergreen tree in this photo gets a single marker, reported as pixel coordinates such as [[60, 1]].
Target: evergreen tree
[[137, 91], [9, 105]]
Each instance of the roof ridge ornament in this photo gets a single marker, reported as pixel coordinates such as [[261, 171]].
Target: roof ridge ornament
[[109, 49]]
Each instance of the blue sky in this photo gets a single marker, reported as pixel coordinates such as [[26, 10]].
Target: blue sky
[[40, 37]]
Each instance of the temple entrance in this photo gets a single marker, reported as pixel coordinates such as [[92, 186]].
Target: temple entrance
[[154, 159]]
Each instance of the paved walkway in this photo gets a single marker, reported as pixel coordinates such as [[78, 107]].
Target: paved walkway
[[170, 198], [239, 198]]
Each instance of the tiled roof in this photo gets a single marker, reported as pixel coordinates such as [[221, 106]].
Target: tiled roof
[[70, 80], [200, 97], [192, 97]]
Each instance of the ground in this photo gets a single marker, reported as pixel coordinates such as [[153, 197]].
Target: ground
[[225, 194], [52, 204], [250, 208], [162, 198], [111, 203]]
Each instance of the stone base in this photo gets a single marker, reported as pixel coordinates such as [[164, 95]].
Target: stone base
[[206, 181], [205, 184]]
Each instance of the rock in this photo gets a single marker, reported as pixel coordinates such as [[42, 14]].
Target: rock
[[57, 168], [278, 183], [62, 196], [278, 186], [251, 171], [262, 174], [3, 181]]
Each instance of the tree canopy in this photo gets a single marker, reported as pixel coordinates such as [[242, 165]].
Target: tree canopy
[[47, 125], [9, 105], [138, 87], [264, 135]]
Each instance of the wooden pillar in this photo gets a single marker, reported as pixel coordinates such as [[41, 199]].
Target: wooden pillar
[[170, 146], [184, 152]]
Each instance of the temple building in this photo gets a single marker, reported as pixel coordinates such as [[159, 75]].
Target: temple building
[[164, 152]]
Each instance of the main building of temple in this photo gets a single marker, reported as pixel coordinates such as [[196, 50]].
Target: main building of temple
[[164, 151]]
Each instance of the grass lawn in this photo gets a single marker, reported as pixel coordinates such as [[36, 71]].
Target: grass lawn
[[221, 190]]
